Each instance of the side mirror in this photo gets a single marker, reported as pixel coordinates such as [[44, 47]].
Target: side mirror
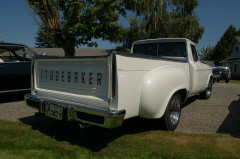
[[43, 54]]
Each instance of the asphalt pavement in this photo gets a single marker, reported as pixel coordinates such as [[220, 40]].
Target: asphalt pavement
[[219, 114]]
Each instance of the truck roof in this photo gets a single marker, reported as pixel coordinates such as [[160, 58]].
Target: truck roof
[[162, 40]]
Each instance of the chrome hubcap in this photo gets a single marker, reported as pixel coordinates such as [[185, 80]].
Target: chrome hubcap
[[175, 110]]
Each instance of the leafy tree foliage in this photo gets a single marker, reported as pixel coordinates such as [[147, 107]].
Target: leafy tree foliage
[[122, 48], [132, 33], [222, 49], [206, 53], [43, 41], [76, 22], [164, 19]]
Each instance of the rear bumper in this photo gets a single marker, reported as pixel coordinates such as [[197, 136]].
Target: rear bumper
[[98, 117], [224, 78], [215, 76], [219, 77]]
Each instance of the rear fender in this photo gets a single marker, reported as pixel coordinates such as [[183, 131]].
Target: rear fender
[[158, 87]]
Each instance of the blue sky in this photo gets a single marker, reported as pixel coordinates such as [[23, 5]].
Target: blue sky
[[17, 25]]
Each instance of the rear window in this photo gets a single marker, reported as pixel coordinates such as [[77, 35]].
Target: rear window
[[224, 69], [172, 49], [146, 49]]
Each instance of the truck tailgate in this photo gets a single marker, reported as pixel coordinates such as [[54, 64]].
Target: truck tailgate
[[79, 81]]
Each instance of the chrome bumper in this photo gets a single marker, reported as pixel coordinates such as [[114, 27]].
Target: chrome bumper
[[102, 118]]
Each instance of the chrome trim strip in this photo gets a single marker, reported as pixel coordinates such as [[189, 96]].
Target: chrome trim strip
[[17, 90], [112, 119]]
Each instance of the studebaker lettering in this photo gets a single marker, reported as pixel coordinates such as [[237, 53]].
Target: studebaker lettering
[[49, 75]]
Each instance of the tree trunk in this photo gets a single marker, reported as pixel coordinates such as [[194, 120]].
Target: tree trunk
[[69, 52]]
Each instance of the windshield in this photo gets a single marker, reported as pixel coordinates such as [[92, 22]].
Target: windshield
[[224, 69], [14, 55]]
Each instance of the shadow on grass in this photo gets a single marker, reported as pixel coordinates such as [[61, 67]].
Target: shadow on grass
[[93, 138]]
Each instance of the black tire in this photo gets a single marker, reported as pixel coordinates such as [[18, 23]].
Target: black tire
[[206, 94], [227, 80], [172, 113], [218, 80]]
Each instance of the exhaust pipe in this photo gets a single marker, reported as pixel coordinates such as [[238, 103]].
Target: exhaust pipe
[[83, 125], [39, 114]]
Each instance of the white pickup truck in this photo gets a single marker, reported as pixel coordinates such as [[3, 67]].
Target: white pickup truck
[[151, 82]]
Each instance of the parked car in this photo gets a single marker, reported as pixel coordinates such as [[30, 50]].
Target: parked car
[[225, 74], [221, 73], [215, 74], [15, 68]]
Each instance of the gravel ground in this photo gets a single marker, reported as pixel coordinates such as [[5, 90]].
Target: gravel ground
[[13, 108], [219, 114]]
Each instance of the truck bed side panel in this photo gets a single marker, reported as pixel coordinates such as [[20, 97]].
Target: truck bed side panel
[[131, 73]]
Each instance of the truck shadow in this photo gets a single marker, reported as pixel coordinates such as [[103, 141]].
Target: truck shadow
[[96, 138], [92, 138], [190, 100], [231, 124]]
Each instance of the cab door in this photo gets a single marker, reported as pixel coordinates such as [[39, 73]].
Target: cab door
[[195, 71], [15, 74]]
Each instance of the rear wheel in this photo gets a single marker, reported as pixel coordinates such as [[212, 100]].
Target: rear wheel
[[172, 113], [227, 80], [208, 91]]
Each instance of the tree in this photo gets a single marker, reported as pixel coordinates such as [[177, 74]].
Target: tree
[[166, 19], [129, 34], [43, 41], [73, 23], [206, 53], [170, 19], [183, 20], [222, 49]]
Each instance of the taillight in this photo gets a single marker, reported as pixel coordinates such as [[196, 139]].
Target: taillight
[[114, 76], [33, 91], [219, 71]]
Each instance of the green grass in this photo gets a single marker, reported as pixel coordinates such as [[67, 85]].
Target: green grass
[[234, 81], [59, 141]]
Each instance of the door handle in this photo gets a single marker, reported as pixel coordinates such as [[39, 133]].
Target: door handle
[[2, 66]]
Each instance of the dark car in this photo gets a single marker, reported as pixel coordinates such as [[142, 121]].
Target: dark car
[[15, 68], [221, 73]]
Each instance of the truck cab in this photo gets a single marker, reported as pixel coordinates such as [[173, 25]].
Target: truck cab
[[180, 49]]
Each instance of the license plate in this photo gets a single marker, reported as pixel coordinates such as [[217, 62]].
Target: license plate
[[54, 110]]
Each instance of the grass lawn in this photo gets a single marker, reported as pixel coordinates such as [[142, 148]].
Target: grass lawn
[[24, 141], [234, 81]]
